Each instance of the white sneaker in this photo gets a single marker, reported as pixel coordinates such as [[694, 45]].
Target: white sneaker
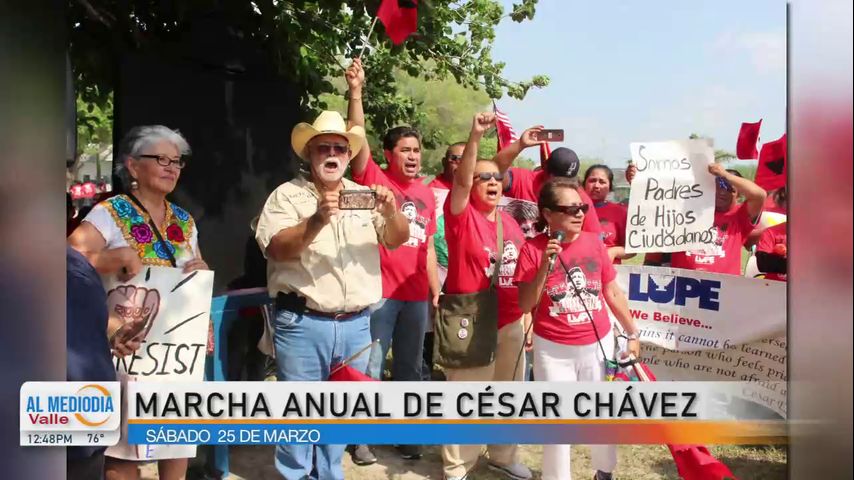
[[455, 478], [516, 471]]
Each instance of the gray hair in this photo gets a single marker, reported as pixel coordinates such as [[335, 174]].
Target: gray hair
[[138, 138]]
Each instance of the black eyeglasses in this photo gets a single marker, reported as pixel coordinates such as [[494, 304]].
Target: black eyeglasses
[[485, 176], [454, 158], [571, 210], [331, 148], [165, 161]]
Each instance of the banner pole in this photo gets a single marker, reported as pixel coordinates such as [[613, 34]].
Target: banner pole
[[368, 38]]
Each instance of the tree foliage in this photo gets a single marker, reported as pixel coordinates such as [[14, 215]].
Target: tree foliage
[[308, 42], [721, 156]]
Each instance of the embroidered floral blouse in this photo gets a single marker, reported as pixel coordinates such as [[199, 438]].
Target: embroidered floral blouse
[[123, 224]]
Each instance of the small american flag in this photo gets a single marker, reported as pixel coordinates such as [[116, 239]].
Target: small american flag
[[506, 135]]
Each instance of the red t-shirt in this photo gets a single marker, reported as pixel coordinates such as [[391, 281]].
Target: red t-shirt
[[404, 270], [724, 255], [612, 220], [440, 182], [526, 184], [472, 253], [560, 315], [771, 237]]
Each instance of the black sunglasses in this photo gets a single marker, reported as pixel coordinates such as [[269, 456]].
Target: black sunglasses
[[454, 158], [331, 148], [485, 176], [724, 184], [571, 210], [165, 161]]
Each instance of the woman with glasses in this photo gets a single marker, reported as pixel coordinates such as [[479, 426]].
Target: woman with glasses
[[568, 295], [118, 237], [472, 232], [598, 180]]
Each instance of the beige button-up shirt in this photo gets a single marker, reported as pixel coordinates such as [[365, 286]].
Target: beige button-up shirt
[[340, 270]]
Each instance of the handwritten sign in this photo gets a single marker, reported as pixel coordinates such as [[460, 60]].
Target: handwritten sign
[[672, 199], [169, 311]]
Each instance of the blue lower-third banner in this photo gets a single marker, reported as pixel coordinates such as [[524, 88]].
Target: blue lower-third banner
[[460, 432]]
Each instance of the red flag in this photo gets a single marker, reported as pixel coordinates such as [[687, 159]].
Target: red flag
[[506, 135], [400, 18], [693, 462], [745, 148], [771, 171], [347, 373]]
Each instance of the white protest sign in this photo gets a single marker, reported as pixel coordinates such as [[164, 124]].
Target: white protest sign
[[672, 198], [705, 326], [171, 311]]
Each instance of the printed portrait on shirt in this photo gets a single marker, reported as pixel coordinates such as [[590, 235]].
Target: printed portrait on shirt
[[609, 231], [712, 251], [417, 223], [566, 297], [508, 263], [525, 213]]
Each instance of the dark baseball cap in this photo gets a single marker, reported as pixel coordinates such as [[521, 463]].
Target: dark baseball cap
[[563, 162]]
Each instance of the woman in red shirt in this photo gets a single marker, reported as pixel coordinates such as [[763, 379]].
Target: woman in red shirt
[[471, 213], [598, 180], [572, 329]]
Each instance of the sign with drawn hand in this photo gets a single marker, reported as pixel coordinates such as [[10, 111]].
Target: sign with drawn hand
[[168, 311]]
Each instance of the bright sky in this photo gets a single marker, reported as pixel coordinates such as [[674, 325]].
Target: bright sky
[[624, 71]]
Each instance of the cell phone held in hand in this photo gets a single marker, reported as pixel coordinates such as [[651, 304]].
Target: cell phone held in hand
[[552, 135], [357, 200]]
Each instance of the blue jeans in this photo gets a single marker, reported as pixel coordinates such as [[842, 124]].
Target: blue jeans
[[402, 325], [307, 347]]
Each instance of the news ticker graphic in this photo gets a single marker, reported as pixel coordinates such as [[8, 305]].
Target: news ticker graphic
[[255, 413], [70, 413]]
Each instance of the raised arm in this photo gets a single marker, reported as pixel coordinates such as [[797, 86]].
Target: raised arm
[[355, 77], [464, 176], [505, 158], [754, 195]]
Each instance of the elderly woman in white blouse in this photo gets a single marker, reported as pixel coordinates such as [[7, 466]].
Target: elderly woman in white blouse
[[123, 233]]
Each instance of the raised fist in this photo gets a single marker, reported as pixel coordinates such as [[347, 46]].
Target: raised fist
[[136, 307]]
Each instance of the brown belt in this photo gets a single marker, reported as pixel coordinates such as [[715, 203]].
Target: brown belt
[[333, 315]]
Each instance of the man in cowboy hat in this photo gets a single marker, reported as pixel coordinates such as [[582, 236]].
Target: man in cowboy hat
[[323, 268]]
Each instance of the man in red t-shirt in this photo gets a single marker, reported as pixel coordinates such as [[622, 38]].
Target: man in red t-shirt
[[525, 184], [772, 253], [733, 223], [409, 274], [441, 186]]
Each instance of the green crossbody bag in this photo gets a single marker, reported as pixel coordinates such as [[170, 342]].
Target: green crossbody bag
[[466, 330]]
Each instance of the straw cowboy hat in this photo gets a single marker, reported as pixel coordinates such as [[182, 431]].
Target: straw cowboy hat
[[326, 122]]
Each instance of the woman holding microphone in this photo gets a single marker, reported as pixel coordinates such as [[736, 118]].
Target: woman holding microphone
[[566, 277]]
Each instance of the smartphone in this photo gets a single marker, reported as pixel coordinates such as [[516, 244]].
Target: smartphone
[[357, 200], [553, 135]]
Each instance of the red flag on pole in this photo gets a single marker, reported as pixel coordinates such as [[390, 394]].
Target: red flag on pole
[[771, 171], [400, 18], [693, 462], [506, 135], [745, 148], [346, 373]]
